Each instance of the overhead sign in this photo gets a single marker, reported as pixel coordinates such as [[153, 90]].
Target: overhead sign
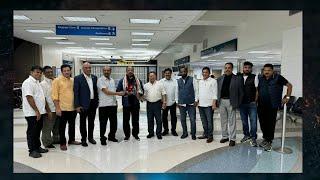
[[181, 61], [86, 30], [224, 47]]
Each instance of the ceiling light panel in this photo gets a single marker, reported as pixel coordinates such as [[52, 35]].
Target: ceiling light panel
[[142, 33], [144, 21], [100, 39], [79, 19], [39, 30], [21, 17]]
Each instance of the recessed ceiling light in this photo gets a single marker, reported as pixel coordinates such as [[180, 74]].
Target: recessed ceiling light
[[231, 57], [140, 44], [142, 33], [61, 42], [56, 38], [39, 31], [104, 44], [141, 40], [265, 57], [108, 48], [100, 39], [258, 52], [144, 21], [21, 17], [80, 19]]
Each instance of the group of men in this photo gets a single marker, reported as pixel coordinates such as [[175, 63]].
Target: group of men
[[52, 103]]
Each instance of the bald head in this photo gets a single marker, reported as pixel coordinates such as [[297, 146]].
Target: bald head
[[107, 71], [86, 67]]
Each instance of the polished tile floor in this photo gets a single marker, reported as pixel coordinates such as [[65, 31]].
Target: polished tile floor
[[171, 154]]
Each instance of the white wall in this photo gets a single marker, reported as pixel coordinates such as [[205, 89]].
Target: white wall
[[51, 56], [291, 61]]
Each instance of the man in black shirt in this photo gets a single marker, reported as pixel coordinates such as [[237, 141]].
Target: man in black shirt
[[230, 93], [270, 94]]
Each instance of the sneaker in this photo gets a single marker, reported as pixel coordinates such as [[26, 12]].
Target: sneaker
[[63, 147], [126, 138], [74, 143], [268, 147], [209, 140], [84, 144], [165, 132], [50, 146], [245, 139], [263, 143], [253, 142], [41, 150], [92, 141], [137, 137], [35, 154], [174, 133], [224, 140], [113, 139], [150, 136], [202, 137], [184, 136], [232, 143]]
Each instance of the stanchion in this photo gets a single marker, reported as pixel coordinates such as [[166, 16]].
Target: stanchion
[[282, 149]]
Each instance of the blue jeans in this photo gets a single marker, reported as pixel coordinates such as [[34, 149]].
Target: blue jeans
[[249, 110], [192, 114], [206, 114]]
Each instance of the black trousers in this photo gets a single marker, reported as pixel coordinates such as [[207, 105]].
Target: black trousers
[[134, 112], [154, 112], [173, 115], [70, 117], [267, 118], [89, 113], [33, 132], [105, 113]]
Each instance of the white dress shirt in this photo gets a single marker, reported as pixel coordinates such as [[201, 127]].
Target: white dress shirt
[[104, 99], [195, 88], [208, 91], [46, 85], [32, 87], [90, 84], [153, 92], [170, 87]]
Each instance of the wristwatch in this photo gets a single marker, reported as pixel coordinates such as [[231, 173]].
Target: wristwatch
[[287, 97]]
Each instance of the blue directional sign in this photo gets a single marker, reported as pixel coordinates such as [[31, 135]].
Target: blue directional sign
[[86, 30]]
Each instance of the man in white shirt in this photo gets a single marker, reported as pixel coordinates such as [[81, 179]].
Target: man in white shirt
[[107, 105], [86, 102], [154, 93], [34, 108], [50, 123], [187, 100], [207, 103], [170, 86]]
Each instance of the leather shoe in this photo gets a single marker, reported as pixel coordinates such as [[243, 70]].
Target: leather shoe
[[74, 143], [174, 133], [209, 140], [232, 143], [165, 133], [113, 139], [63, 147], [104, 143], [35, 154], [50, 146], [126, 138], [159, 137], [92, 141], [194, 137], [184, 136], [137, 137], [202, 137], [41, 150], [150, 136], [84, 144], [224, 140]]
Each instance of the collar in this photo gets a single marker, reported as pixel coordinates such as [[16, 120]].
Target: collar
[[153, 83], [107, 78], [64, 78], [86, 76], [207, 79], [47, 79], [167, 79], [33, 79]]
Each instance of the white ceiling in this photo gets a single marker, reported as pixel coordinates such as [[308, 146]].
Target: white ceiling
[[172, 24]]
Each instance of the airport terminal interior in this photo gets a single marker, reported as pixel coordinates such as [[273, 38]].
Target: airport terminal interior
[[153, 41]]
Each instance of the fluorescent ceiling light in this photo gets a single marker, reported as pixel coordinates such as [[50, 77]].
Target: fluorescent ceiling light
[[212, 60], [39, 31], [75, 47], [61, 42], [102, 44], [265, 57], [108, 48], [90, 57], [142, 33], [144, 21], [140, 44], [231, 57], [21, 17], [56, 38], [142, 40], [258, 52], [80, 19], [99, 39]]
